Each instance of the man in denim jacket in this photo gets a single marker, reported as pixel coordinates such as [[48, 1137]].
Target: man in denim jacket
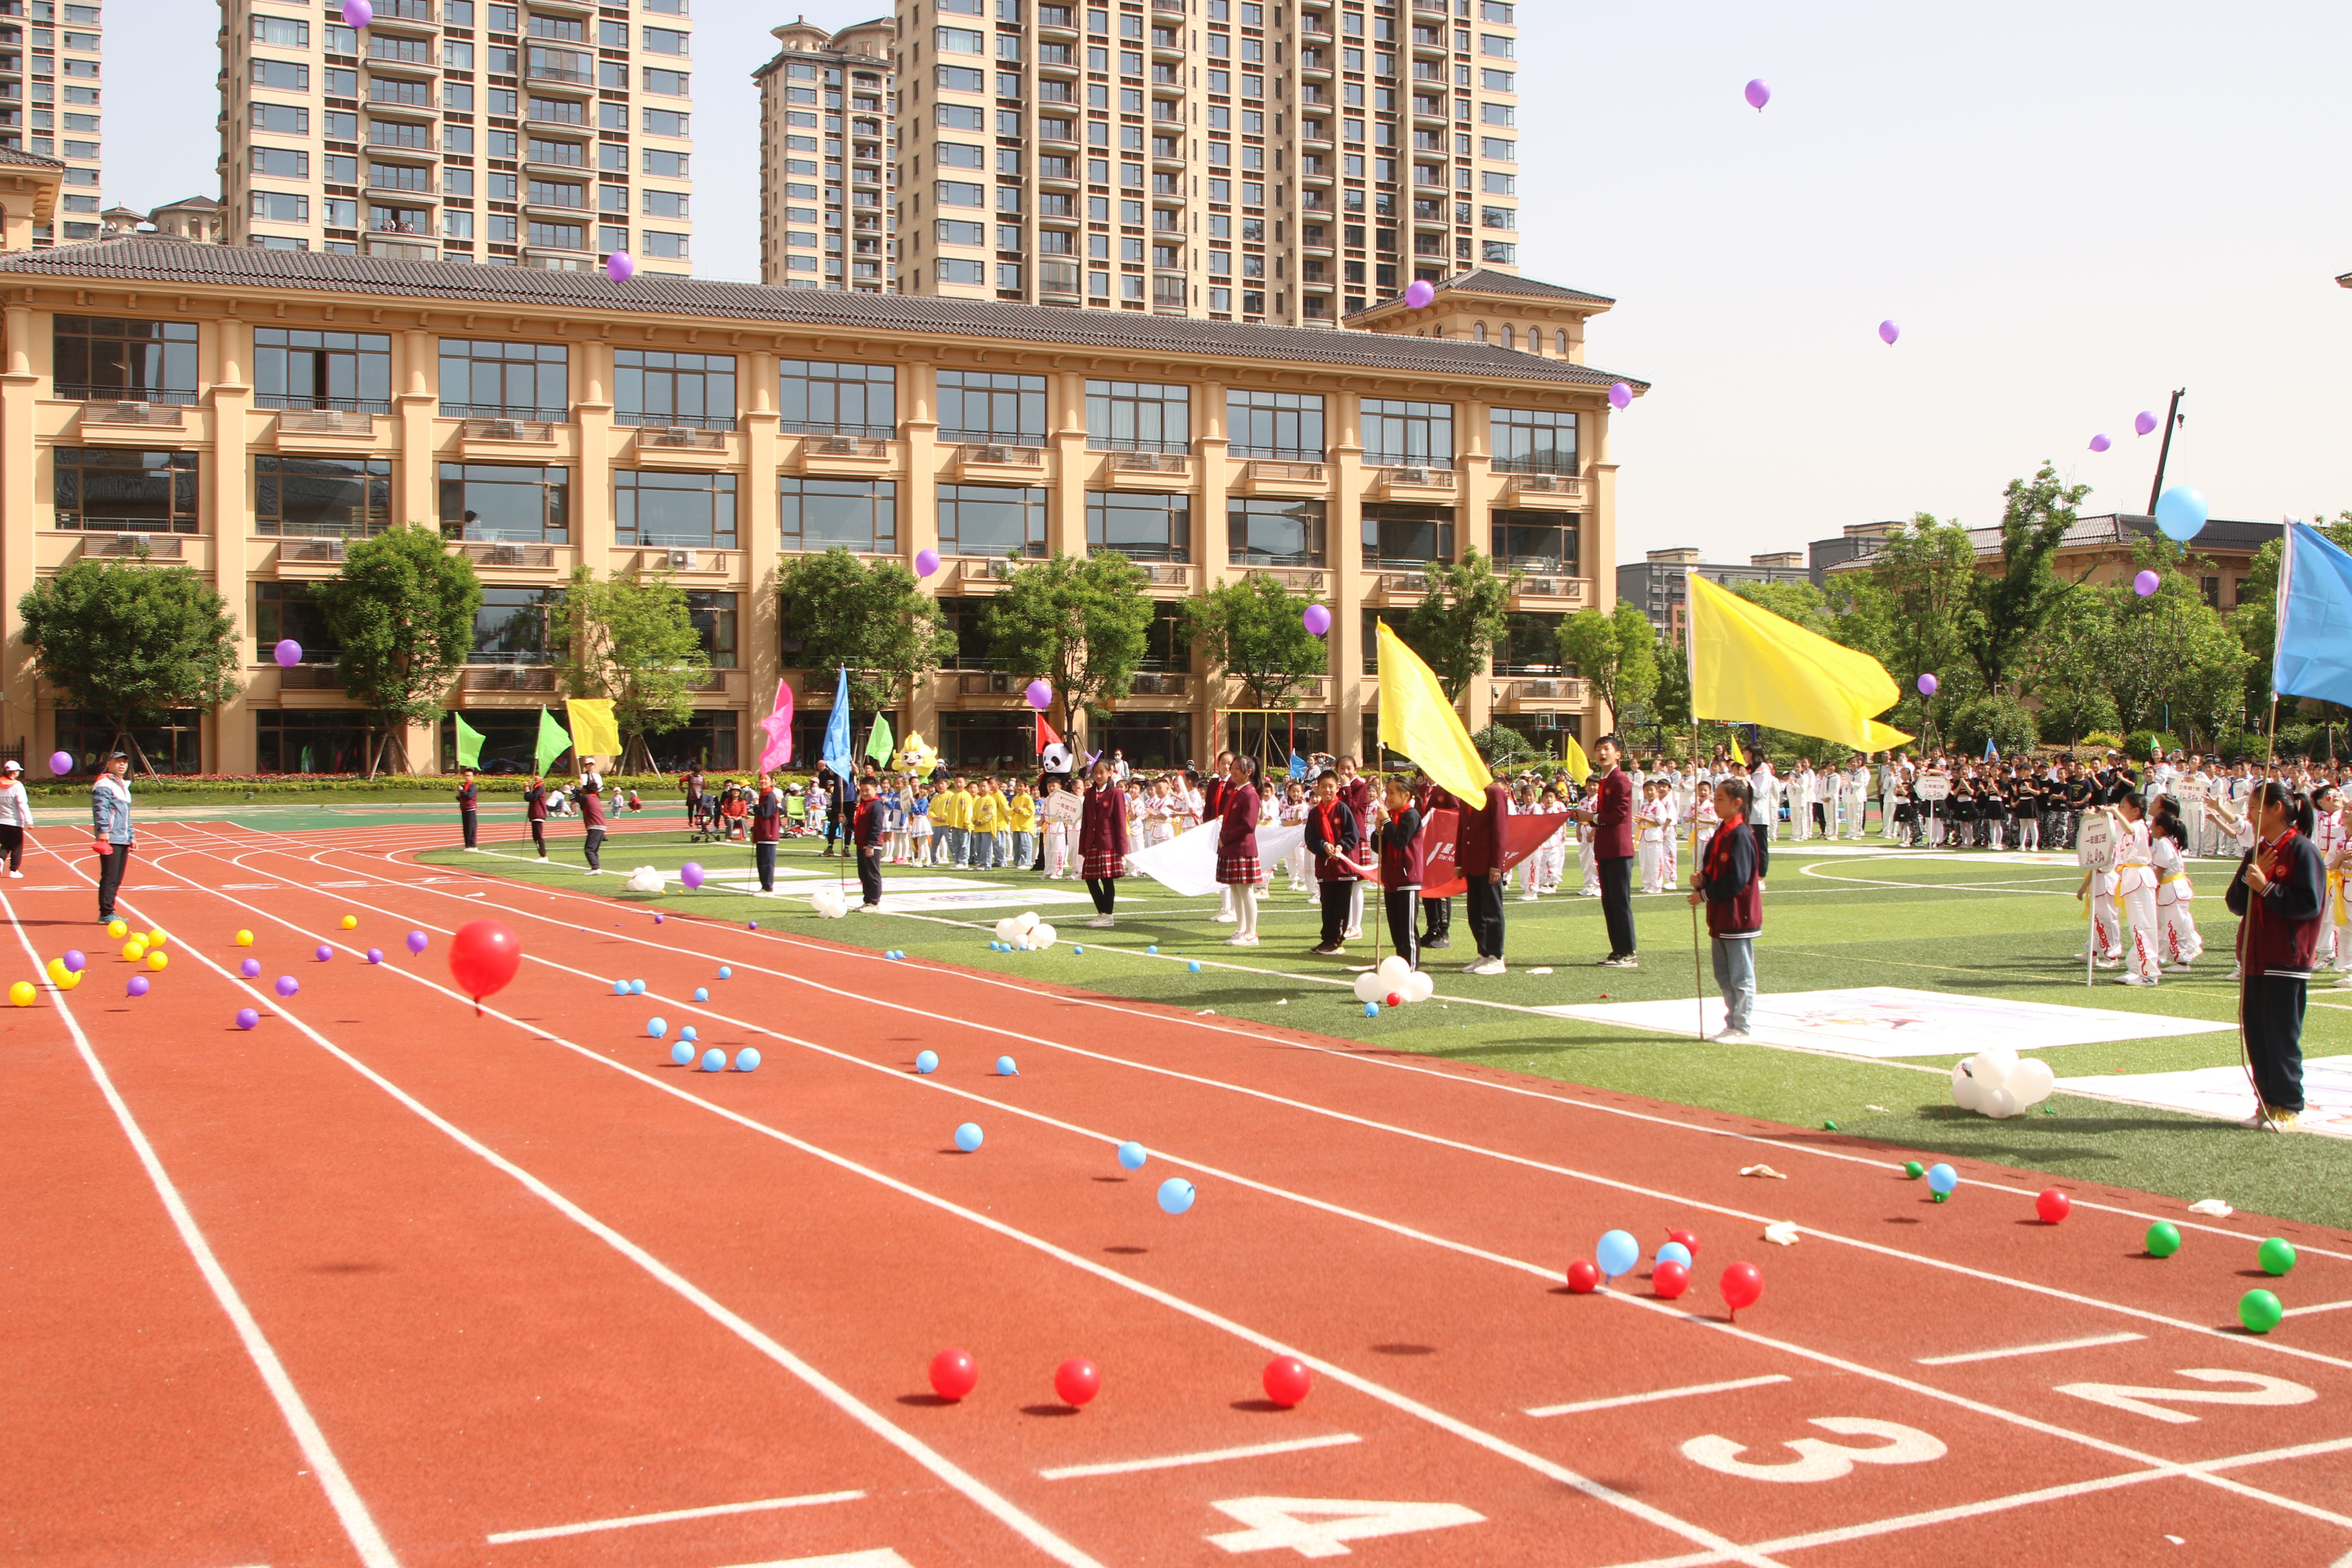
[[110, 824]]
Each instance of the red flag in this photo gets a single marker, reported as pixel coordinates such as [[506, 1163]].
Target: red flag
[[1439, 877], [1045, 736]]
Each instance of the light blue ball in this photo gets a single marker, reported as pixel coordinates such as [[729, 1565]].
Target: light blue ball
[[702, 992], [726, 972], [1176, 1195], [1079, 951], [656, 1027], [681, 1053], [2181, 513], [747, 1058], [1194, 967], [1153, 948], [1371, 1009], [967, 1136], [620, 988], [1617, 1254], [714, 1061], [1132, 1156], [927, 1061], [1675, 1252], [1942, 1178], [636, 987], [1004, 1068], [687, 1033]]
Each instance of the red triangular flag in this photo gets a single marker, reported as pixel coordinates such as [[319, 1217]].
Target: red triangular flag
[[1045, 736]]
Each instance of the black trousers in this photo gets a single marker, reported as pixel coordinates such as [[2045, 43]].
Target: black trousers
[[1404, 905], [1336, 897], [539, 837], [869, 870], [1617, 904], [766, 855], [472, 822], [593, 846], [12, 841], [109, 879], [1106, 893], [2274, 1038], [1822, 815], [1439, 912], [1483, 905]]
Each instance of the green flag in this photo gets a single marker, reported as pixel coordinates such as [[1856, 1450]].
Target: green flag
[[470, 744], [881, 742], [552, 739]]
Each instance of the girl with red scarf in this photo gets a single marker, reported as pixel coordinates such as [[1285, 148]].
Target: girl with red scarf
[[1332, 836], [1102, 842], [1237, 867], [1730, 882], [2280, 895]]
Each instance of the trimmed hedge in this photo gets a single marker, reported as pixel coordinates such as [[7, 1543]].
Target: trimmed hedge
[[307, 786]]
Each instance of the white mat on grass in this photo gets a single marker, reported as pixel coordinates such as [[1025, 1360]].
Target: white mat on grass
[[1891, 1021], [2223, 1091], [968, 897]]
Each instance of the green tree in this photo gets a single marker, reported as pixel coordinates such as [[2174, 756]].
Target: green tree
[[402, 610], [2007, 609], [1996, 717], [1081, 624], [631, 640], [1458, 622], [873, 620], [1254, 630], [130, 642], [1618, 652], [1800, 602], [2255, 620], [2067, 672], [1672, 700]]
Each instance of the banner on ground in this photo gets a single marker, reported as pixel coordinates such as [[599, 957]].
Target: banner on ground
[[1748, 664], [1441, 878], [1187, 864], [593, 733]]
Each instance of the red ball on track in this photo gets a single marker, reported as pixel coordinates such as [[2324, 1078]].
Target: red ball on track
[[954, 1373], [2053, 1206], [1742, 1286], [1286, 1380], [1583, 1276], [1670, 1279], [1689, 1242], [1077, 1381]]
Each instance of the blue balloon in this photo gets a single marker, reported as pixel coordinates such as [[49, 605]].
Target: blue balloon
[[656, 1027], [1617, 1254], [1132, 1156], [967, 1136], [681, 1053], [1078, 950], [1193, 967], [702, 992], [636, 987], [1004, 1068], [2181, 513], [1942, 1178], [620, 988], [687, 1033], [1371, 1009], [714, 1061], [1675, 1252], [1153, 948], [1176, 1195], [726, 972], [747, 1058], [927, 1061]]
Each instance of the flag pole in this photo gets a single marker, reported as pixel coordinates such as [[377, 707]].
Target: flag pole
[[2245, 1047], [1698, 976]]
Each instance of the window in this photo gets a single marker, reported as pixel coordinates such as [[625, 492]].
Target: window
[[663, 121], [1408, 435], [1141, 526], [281, 163], [1500, 253], [282, 32], [993, 408], [505, 501], [1284, 426], [1498, 46], [510, 624], [320, 497], [826, 399], [1536, 540], [839, 514], [558, 237], [1139, 416], [174, 746], [708, 740], [669, 166], [674, 510], [302, 369], [1534, 441], [310, 739], [1530, 645], [114, 360], [960, 194], [953, 231], [1263, 532], [281, 76], [1407, 535], [714, 618], [991, 519], [505, 381], [282, 610], [676, 84], [665, 204], [667, 41], [281, 207], [656, 386], [111, 489], [963, 618]]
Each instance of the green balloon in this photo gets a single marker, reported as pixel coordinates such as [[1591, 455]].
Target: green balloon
[[1913, 1169], [2163, 1240], [2277, 1254], [2260, 1311]]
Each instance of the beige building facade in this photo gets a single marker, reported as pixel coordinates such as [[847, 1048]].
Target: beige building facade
[[828, 150], [248, 412], [1285, 163], [544, 133]]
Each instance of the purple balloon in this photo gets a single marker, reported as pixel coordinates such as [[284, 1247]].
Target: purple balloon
[[1317, 620], [620, 267], [61, 762], [288, 985], [690, 874], [325, 953], [1621, 395], [1759, 95], [289, 653], [1887, 332], [138, 986], [246, 1017], [375, 955], [358, 13], [2146, 583], [2100, 443], [1041, 696], [1419, 293], [75, 959], [1927, 684], [250, 968], [2144, 422], [926, 561], [417, 942]]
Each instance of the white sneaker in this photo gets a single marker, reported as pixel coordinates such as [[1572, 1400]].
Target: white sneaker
[[2343, 985], [1486, 966], [17, 875], [542, 860], [1527, 898], [1100, 922], [2237, 971], [1733, 1038], [2138, 980], [1241, 939], [1353, 933], [1227, 920], [470, 849]]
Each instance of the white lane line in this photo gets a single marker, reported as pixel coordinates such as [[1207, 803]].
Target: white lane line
[[1211, 1456], [1692, 1390], [2318, 1306], [631, 1521], [873, 1557], [2030, 1350], [351, 1509]]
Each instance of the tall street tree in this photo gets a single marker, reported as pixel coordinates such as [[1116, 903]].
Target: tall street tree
[[630, 638], [2006, 609], [131, 642], [873, 620], [1254, 630], [1081, 624], [1458, 622], [1617, 651], [402, 609]]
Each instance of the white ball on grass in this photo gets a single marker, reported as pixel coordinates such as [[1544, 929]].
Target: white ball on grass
[[1370, 987], [2031, 1083], [1993, 1067]]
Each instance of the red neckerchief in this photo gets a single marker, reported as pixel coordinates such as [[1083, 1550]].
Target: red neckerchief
[[1324, 815], [1720, 845]]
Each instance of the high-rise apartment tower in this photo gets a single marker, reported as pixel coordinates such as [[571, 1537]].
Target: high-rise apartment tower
[[49, 56], [828, 150]]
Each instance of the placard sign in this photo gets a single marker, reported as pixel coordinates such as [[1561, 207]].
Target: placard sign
[[2190, 787], [2097, 840], [1932, 787]]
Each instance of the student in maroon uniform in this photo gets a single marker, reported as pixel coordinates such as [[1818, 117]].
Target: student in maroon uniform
[[1399, 839], [767, 827], [534, 806], [2280, 895], [1730, 882], [1102, 842], [1332, 838], [1610, 820], [1356, 792], [1237, 865], [470, 796], [1480, 844], [591, 815], [865, 831], [1439, 912], [1212, 809]]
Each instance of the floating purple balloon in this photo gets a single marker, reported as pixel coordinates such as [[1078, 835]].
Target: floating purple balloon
[[1317, 620], [358, 13], [1041, 696], [246, 1017], [926, 561], [375, 955], [1419, 293], [1621, 395], [289, 653], [620, 267], [250, 968], [690, 874], [417, 942], [1927, 684], [2144, 422], [1759, 95], [1887, 332], [2100, 443], [138, 986], [75, 959], [61, 762], [2146, 583]]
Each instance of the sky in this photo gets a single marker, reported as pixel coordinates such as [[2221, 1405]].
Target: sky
[[2069, 210]]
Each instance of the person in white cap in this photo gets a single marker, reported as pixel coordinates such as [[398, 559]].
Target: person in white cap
[[15, 816]]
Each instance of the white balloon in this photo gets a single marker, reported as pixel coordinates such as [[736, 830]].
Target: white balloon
[[1999, 1104], [1025, 922], [2031, 1083], [1967, 1093], [1369, 986], [1393, 969], [1004, 929], [1993, 1067], [1044, 936], [1419, 987]]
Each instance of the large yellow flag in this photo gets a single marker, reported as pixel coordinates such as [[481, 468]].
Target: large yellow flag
[[1417, 720], [593, 734], [1748, 663], [1579, 767]]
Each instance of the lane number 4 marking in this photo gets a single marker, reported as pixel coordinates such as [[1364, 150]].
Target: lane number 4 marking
[[1317, 1527], [2152, 1402], [1818, 1458]]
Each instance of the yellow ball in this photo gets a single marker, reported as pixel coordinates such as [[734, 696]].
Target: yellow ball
[[154, 939], [58, 970], [351, 922], [72, 979], [245, 938], [118, 930], [158, 960], [134, 950], [22, 994]]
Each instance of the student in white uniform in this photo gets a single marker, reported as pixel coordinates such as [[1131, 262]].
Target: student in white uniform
[[2105, 948], [1765, 788], [2328, 835], [1857, 797], [2167, 849], [1800, 801], [2136, 889], [1650, 836]]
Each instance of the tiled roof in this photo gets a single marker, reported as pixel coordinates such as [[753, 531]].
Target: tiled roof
[[1484, 280], [2108, 529], [29, 160], [153, 258]]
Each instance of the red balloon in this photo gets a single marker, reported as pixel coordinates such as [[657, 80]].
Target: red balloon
[[1742, 1284], [953, 1374], [1076, 1381], [2053, 1206], [1395, 1000], [483, 958], [1670, 1279], [1286, 1380], [1583, 1276], [1689, 1242]]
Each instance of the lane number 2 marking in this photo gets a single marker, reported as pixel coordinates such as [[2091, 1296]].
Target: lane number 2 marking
[[1316, 1527], [1818, 1458], [2152, 1402]]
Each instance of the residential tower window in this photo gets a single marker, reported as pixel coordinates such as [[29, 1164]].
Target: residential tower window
[[1263, 532], [505, 381], [714, 622], [1534, 441], [861, 515], [708, 740], [1139, 416], [510, 624], [106, 360], [309, 740], [506, 502], [283, 610], [674, 510], [1287, 426], [654, 386], [1408, 536], [322, 497], [991, 519], [175, 745], [825, 399], [991, 408], [297, 369], [1398, 433], [120, 490], [1529, 646], [1536, 541], [1141, 526], [971, 647]]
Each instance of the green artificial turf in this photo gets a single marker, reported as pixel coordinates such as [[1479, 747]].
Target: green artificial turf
[[1945, 925]]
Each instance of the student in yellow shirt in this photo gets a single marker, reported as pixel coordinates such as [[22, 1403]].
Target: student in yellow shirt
[[1021, 813], [950, 815], [987, 812]]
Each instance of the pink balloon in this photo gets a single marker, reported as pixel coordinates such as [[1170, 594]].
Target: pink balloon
[[1317, 620], [620, 267], [1621, 395], [2146, 583], [926, 562], [2100, 443], [1927, 684], [358, 13], [289, 653], [2144, 422], [1041, 695], [1759, 95], [1887, 332], [1419, 293]]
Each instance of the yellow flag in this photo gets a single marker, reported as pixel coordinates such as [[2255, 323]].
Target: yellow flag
[[1417, 720], [1579, 767], [1748, 663], [1736, 755], [593, 734]]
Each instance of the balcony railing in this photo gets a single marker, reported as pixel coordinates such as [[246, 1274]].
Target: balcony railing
[[1150, 463], [535, 430], [505, 554], [326, 422], [310, 677], [1307, 578], [325, 551], [1167, 683], [509, 678], [989, 455], [133, 414], [160, 546], [682, 436]]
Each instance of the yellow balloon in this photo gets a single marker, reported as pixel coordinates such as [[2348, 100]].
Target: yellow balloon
[[118, 930], [351, 922], [58, 970], [245, 938], [22, 994], [154, 939], [72, 979], [158, 960], [134, 950]]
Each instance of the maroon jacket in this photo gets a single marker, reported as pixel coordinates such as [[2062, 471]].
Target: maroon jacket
[[1359, 796], [1483, 836], [1332, 840], [1613, 816], [1102, 822], [2278, 933], [1213, 800], [1238, 819], [1401, 856], [768, 816], [1728, 881]]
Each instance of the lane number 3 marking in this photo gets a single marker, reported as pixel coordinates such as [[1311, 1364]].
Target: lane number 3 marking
[[1317, 1527], [1818, 1458], [2260, 1390]]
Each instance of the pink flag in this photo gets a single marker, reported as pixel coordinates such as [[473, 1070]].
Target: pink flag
[[779, 726]]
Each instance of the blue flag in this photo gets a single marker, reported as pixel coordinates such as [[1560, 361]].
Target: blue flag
[[837, 755], [1298, 766], [2314, 656], [1991, 751]]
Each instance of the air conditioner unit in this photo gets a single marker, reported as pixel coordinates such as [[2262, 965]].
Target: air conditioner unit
[[671, 436], [1542, 585], [994, 455], [683, 560], [835, 447], [504, 555], [1408, 475], [131, 412], [505, 430]]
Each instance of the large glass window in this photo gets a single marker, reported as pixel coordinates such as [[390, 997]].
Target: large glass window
[[309, 740], [708, 740], [991, 519], [847, 514], [107, 360], [505, 381], [1139, 416], [1142, 527], [1263, 532], [283, 610], [997, 742], [1149, 740], [1165, 645], [1534, 441], [1536, 540], [1408, 536], [1398, 433], [652, 386], [510, 624], [1529, 646], [117, 489], [505, 501], [509, 740], [826, 399], [1287, 426], [992, 407], [674, 510], [298, 369], [172, 745], [714, 623], [322, 497], [963, 618]]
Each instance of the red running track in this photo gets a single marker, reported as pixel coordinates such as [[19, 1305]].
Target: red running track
[[383, 1281]]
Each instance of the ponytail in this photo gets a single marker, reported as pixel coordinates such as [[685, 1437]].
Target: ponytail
[[2270, 792], [2167, 820]]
